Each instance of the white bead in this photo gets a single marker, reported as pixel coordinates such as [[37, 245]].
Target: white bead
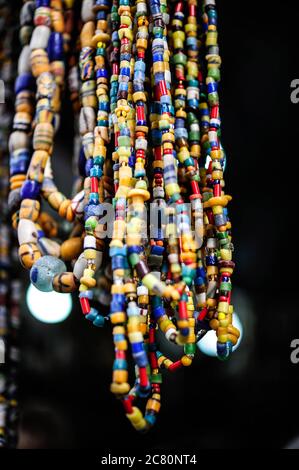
[[170, 332], [158, 192], [168, 76], [141, 8], [89, 242], [157, 275], [173, 258], [212, 243], [18, 140], [40, 37], [141, 144], [77, 204], [87, 13], [81, 264], [213, 136], [24, 61], [142, 290], [201, 298], [27, 232], [49, 247], [87, 120]]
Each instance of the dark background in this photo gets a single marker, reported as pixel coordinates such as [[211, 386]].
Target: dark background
[[66, 368]]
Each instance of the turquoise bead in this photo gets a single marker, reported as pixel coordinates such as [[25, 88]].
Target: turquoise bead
[[44, 270]]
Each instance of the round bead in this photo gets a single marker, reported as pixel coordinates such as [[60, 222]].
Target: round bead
[[44, 270]]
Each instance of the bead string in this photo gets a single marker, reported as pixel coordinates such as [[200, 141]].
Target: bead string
[[149, 121]]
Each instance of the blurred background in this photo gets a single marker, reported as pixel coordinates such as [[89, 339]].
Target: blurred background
[[66, 367]]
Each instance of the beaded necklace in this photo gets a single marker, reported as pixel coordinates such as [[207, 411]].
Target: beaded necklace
[[10, 286], [148, 119]]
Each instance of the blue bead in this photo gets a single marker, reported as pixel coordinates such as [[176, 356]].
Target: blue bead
[[92, 210], [30, 189], [119, 364], [88, 164], [19, 161], [44, 270], [117, 262], [24, 82], [224, 350], [141, 359], [158, 312], [91, 316], [150, 419], [42, 3], [55, 46], [99, 321], [137, 347], [102, 73], [157, 250]]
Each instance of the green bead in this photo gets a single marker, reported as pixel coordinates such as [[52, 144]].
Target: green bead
[[222, 235], [124, 141], [225, 286], [134, 259], [213, 99], [91, 223], [194, 136], [214, 73], [190, 348], [180, 58], [156, 379], [114, 16]]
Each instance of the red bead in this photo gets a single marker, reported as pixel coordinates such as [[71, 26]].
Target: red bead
[[202, 314], [183, 310], [158, 153], [192, 10], [119, 354], [162, 88], [214, 112], [94, 184], [84, 302], [115, 69], [140, 113], [153, 360], [195, 187], [140, 154], [176, 365], [143, 377], [217, 190], [128, 406], [179, 7]]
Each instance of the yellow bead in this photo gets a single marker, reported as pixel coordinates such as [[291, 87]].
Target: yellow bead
[[186, 361]]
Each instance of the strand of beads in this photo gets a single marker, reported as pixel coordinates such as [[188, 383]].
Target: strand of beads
[[19, 140], [215, 205], [96, 162], [179, 284], [10, 286]]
